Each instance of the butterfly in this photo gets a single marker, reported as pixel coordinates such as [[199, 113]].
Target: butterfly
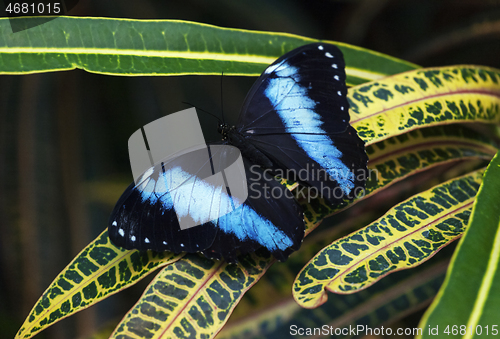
[[294, 124]]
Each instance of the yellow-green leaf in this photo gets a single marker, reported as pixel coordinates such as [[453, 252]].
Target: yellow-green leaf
[[373, 307], [425, 97], [163, 47], [97, 272], [469, 297], [399, 157], [407, 235], [192, 298]]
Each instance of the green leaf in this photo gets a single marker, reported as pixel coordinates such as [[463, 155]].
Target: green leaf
[[97, 272], [192, 298], [396, 158], [470, 293], [163, 47], [399, 157], [407, 235], [425, 97], [384, 302]]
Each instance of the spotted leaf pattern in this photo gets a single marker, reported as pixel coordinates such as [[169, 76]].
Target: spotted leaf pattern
[[407, 235], [98, 271], [399, 157], [373, 307], [424, 97], [192, 298], [473, 272]]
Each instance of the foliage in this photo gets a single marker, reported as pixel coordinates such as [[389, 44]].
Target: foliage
[[467, 303], [402, 113]]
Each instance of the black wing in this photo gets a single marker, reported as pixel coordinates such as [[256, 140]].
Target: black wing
[[269, 218], [297, 115], [146, 216]]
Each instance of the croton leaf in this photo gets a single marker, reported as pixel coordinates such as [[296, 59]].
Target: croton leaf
[[468, 303], [407, 235], [192, 298], [98, 271], [425, 97], [379, 304]]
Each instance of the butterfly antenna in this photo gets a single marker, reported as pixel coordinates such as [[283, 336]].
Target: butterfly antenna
[[201, 109], [221, 98]]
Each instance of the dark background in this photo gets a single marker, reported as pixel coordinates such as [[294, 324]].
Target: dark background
[[63, 136]]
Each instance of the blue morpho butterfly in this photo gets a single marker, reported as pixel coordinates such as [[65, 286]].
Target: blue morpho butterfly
[[294, 123]]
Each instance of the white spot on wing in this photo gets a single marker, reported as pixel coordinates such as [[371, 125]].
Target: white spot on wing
[[336, 77], [121, 232], [182, 245], [164, 242], [132, 238], [342, 107], [320, 47], [334, 66], [146, 240], [328, 55], [339, 93], [114, 223], [275, 67]]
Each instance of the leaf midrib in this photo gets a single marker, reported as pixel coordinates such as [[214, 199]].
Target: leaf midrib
[[348, 270], [425, 145], [247, 58], [72, 291], [188, 302], [406, 103]]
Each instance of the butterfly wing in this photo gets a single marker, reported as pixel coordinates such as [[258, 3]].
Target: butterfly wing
[[146, 216], [309, 78], [269, 218], [297, 115]]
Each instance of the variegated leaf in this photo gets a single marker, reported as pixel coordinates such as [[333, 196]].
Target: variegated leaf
[[381, 303], [97, 272], [425, 97], [396, 158], [469, 296], [401, 156], [407, 235], [192, 298]]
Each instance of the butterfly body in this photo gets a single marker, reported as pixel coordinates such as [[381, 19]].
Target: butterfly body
[[294, 120], [237, 139]]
